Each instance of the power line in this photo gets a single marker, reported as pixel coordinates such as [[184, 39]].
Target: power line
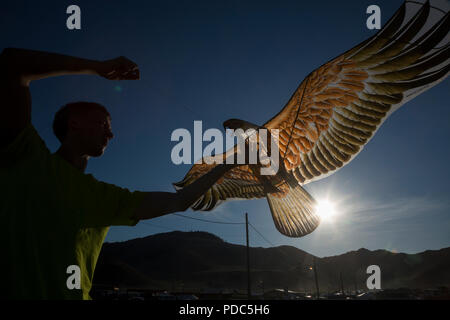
[[261, 235], [204, 220], [211, 221], [220, 222], [155, 226], [216, 222], [280, 249]]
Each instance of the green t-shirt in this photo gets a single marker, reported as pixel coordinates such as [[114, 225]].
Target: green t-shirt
[[52, 216]]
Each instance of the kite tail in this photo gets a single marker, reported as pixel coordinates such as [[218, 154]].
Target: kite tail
[[294, 214]]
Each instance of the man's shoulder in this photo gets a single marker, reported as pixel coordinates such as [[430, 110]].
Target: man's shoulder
[[26, 144]]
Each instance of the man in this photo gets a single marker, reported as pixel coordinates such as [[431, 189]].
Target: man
[[53, 215]]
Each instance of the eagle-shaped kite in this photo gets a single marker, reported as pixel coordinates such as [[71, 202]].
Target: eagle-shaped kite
[[334, 113]]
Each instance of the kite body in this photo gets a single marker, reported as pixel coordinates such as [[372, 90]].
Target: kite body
[[335, 112]]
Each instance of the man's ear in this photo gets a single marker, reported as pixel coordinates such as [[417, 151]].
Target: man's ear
[[73, 124]]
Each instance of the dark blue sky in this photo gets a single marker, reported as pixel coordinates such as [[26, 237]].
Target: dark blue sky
[[214, 60]]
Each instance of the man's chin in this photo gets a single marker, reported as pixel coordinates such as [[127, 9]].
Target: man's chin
[[97, 153]]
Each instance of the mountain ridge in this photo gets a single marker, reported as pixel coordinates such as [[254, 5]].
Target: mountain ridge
[[203, 260]]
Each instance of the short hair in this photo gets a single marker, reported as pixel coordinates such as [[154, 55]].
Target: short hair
[[61, 120]]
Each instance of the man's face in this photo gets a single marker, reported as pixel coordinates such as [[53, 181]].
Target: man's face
[[92, 130]]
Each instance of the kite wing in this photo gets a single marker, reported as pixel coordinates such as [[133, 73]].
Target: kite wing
[[238, 183], [292, 208], [336, 110]]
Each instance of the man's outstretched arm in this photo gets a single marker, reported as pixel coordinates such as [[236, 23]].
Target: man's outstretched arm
[[157, 204], [18, 67]]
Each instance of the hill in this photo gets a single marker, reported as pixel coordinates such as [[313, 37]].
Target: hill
[[181, 260]]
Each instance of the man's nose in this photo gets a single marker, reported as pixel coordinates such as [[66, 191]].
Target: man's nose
[[109, 134]]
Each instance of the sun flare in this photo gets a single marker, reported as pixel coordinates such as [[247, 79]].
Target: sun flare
[[326, 210]]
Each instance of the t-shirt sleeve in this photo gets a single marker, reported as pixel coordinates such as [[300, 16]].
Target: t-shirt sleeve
[[26, 146], [108, 204]]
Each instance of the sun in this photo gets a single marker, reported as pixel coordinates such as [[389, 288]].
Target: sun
[[326, 210]]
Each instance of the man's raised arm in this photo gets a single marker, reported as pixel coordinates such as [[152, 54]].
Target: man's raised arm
[[18, 67], [33, 65]]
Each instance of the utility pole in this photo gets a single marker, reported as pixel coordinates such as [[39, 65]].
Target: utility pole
[[342, 283], [315, 277], [249, 293]]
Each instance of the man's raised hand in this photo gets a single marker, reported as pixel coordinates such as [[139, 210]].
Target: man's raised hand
[[119, 68]]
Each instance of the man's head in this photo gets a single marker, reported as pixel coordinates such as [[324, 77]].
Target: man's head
[[85, 126]]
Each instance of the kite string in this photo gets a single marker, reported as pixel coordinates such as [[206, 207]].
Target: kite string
[[296, 116]]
